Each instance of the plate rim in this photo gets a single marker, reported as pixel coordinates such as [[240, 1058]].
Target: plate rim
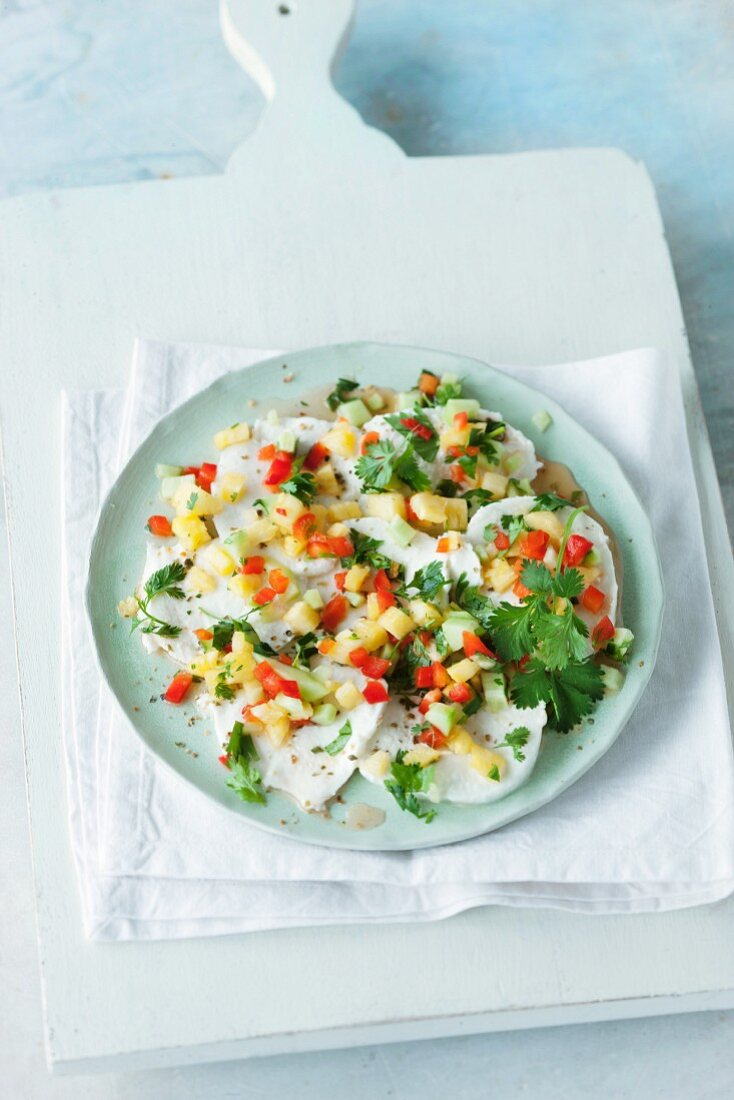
[[346, 839]]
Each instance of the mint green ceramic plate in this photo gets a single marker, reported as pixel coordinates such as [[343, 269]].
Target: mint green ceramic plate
[[118, 550]]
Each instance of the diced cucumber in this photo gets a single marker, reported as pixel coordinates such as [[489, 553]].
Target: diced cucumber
[[264, 504], [592, 558], [314, 599], [410, 400], [495, 693], [162, 470], [613, 679], [402, 532], [273, 418], [324, 714], [355, 411], [449, 379], [619, 646], [375, 401], [455, 405], [240, 543], [521, 488], [542, 420], [312, 689], [323, 673], [296, 708], [287, 442], [453, 628], [355, 599], [513, 462], [485, 662], [444, 716], [171, 485]]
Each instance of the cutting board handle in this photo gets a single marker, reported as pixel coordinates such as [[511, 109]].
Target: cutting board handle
[[290, 48]]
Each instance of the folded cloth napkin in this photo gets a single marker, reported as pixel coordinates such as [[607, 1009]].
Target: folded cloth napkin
[[650, 827]]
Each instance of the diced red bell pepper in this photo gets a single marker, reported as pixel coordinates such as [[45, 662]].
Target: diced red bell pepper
[[423, 431], [341, 546], [602, 633], [316, 457], [429, 699], [434, 738], [267, 452], [382, 581], [458, 473], [375, 692], [274, 684], [358, 656], [385, 599], [461, 421], [518, 587], [375, 667], [367, 440], [224, 760], [459, 693], [278, 581], [192, 470], [502, 540], [443, 546], [592, 599], [428, 383], [576, 550], [424, 676], [265, 595], [280, 469], [305, 526], [474, 644], [318, 547], [339, 579], [207, 474], [533, 544], [440, 675], [410, 512], [285, 659], [334, 612], [160, 526], [290, 688], [178, 687], [203, 635], [254, 565]]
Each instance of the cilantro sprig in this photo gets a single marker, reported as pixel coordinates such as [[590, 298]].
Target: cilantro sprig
[[366, 552], [406, 782], [382, 462], [426, 583], [415, 426], [301, 485], [164, 582], [245, 777], [516, 740]]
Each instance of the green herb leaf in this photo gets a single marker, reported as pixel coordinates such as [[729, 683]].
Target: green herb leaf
[[406, 782], [427, 582], [571, 692], [550, 502], [301, 485], [366, 552], [494, 773], [191, 502], [164, 582], [425, 445], [244, 777], [516, 740], [334, 747], [341, 392], [408, 471]]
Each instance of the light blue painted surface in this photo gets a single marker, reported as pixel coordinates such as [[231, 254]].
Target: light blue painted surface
[[98, 93]]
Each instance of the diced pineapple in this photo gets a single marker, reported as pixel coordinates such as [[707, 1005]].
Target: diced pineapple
[[348, 695], [195, 502], [463, 670], [545, 521], [454, 437], [356, 577], [128, 607], [377, 764], [396, 622], [262, 530], [296, 709], [500, 575], [343, 509], [190, 531], [244, 585], [220, 561], [301, 618], [279, 732], [285, 510], [371, 634], [425, 614], [293, 547], [205, 662], [460, 741], [495, 483], [373, 606], [253, 692], [341, 441], [429, 508], [356, 599], [421, 754], [590, 573], [230, 487], [485, 761], [321, 515], [238, 433], [457, 514], [240, 645], [338, 531], [326, 482], [385, 505]]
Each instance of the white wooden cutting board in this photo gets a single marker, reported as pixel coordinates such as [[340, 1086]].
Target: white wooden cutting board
[[322, 230]]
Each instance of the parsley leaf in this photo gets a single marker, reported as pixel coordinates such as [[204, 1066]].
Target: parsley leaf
[[571, 692], [365, 552], [300, 485], [223, 690], [416, 427], [340, 393], [428, 581], [406, 782], [516, 740]]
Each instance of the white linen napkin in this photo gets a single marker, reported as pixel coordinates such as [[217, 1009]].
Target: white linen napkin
[[650, 827]]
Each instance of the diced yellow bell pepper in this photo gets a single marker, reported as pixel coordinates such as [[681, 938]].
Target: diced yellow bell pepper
[[243, 585]]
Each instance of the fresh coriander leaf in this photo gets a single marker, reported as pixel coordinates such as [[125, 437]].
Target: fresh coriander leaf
[[475, 499], [406, 782], [468, 464], [245, 778], [151, 625], [223, 690], [301, 485], [511, 630], [420, 727], [305, 647], [376, 467], [550, 502], [494, 773], [572, 692], [340, 393], [334, 747], [516, 740], [234, 745], [561, 638], [537, 577], [513, 526], [485, 440], [473, 706], [416, 427], [446, 488], [408, 470], [366, 552], [470, 599], [428, 581], [446, 391], [262, 504], [568, 584]]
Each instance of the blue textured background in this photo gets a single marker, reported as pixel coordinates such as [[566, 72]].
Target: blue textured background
[[98, 92]]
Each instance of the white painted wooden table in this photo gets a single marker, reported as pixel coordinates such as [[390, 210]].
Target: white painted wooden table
[[322, 230]]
